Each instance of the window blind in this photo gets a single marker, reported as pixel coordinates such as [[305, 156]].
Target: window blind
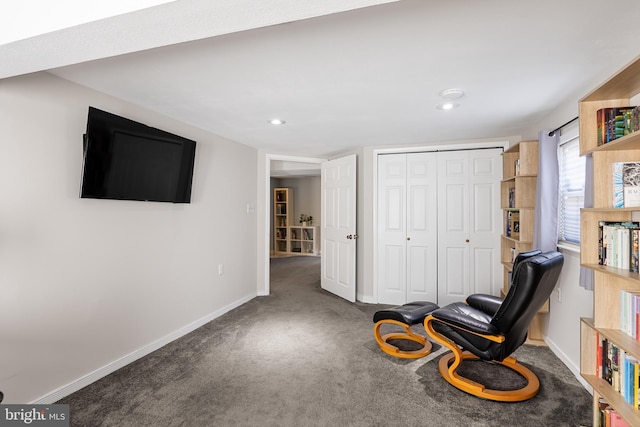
[[571, 190]]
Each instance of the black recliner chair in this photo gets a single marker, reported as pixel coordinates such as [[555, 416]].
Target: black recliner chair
[[488, 328]]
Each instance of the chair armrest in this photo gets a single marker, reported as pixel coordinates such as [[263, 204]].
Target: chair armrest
[[465, 317], [487, 303]]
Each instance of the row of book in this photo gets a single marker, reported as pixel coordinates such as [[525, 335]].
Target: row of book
[[626, 184], [609, 417], [618, 245], [614, 123], [512, 225], [619, 369]]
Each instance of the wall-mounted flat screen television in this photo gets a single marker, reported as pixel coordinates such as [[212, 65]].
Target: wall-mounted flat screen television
[[127, 160]]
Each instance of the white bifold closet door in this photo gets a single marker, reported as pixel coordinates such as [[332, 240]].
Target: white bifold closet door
[[439, 225], [407, 266]]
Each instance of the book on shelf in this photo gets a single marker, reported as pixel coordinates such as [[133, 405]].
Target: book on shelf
[[605, 361], [616, 179], [599, 342], [625, 178], [631, 184], [630, 312], [515, 225], [618, 244], [614, 123], [634, 258], [512, 224]]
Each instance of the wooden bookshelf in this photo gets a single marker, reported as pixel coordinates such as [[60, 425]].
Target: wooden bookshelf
[[518, 195], [282, 218], [608, 281]]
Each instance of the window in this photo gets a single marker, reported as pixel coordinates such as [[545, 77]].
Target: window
[[571, 192]]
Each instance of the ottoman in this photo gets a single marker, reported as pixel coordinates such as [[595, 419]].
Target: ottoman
[[403, 316]]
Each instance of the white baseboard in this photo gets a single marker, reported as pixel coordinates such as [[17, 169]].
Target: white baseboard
[[573, 368], [94, 376], [366, 300]]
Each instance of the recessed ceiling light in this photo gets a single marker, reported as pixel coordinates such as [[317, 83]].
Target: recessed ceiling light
[[277, 121], [452, 93], [447, 106]]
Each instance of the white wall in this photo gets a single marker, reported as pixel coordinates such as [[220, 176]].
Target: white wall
[[562, 324], [89, 285]]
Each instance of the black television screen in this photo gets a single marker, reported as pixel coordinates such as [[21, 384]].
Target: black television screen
[[127, 160]]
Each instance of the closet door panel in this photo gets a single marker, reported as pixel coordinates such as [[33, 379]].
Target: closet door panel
[[422, 227], [391, 208], [485, 222], [453, 226]]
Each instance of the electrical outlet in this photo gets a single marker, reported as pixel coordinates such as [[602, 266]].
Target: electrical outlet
[[559, 294], [220, 269]]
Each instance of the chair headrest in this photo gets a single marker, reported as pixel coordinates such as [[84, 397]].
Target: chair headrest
[[532, 282], [524, 255]]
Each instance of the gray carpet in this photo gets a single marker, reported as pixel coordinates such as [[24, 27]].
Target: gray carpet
[[303, 357]]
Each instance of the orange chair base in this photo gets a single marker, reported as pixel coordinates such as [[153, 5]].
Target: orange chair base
[[476, 389], [408, 334], [449, 364]]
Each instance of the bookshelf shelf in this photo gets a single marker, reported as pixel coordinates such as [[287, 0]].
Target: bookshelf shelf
[[612, 271], [303, 240], [608, 281]]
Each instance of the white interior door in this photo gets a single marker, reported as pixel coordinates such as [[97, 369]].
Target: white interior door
[[338, 206], [468, 223]]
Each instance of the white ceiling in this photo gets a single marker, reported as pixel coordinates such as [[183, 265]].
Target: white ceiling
[[343, 75]]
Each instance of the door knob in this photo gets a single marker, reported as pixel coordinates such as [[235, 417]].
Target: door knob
[[349, 236], [467, 240], [408, 238]]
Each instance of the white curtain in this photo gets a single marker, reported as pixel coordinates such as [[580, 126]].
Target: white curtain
[[586, 274], [545, 226]]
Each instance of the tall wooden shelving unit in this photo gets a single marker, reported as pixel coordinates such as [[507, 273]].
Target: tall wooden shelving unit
[[518, 197], [282, 218], [608, 281]]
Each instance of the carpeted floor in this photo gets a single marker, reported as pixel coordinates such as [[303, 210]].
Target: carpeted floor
[[304, 357]]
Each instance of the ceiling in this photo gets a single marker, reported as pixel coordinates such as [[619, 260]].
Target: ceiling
[[343, 75]]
